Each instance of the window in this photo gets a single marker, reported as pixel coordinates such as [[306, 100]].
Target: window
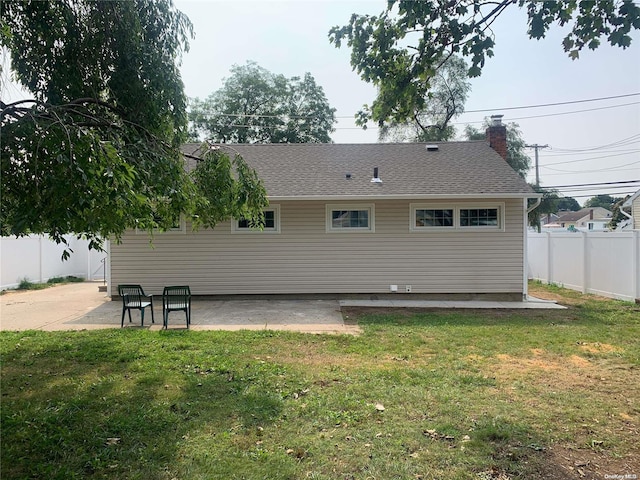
[[441, 217], [437, 217], [271, 222], [479, 217], [350, 218]]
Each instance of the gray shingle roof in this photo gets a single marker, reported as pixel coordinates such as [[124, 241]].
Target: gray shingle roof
[[406, 169]]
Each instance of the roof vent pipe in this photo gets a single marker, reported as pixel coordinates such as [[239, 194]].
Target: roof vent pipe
[[376, 178]]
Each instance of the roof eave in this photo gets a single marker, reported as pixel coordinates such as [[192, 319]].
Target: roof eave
[[465, 196]]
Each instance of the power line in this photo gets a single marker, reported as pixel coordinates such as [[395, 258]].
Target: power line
[[590, 196], [547, 155], [555, 104], [618, 187], [618, 143], [608, 169], [516, 118], [309, 117], [587, 159], [548, 104], [590, 172], [593, 184]]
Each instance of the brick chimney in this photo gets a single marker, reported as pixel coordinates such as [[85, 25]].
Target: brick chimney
[[497, 135]]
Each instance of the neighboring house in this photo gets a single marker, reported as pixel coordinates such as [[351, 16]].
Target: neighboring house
[[631, 210], [442, 218], [548, 219], [594, 219]]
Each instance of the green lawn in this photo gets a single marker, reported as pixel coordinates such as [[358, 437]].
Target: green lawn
[[419, 395]]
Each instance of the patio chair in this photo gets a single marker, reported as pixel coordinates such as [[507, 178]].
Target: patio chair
[[177, 298], [133, 297]]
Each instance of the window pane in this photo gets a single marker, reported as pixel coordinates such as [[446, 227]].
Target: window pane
[[479, 217], [269, 219], [349, 218], [434, 218]]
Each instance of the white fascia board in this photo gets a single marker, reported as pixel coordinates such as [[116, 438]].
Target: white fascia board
[[630, 200], [365, 198]]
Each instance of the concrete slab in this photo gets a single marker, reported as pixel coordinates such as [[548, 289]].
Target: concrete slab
[[531, 303], [81, 306]]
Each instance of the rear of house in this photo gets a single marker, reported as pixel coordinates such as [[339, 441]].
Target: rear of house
[[440, 219]]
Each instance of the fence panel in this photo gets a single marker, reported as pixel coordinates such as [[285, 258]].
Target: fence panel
[[604, 263], [37, 259]]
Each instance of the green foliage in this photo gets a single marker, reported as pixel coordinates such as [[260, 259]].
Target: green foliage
[[450, 88], [227, 188], [548, 204], [26, 284], [96, 151], [255, 105], [400, 50], [516, 156], [567, 204], [97, 147], [604, 201], [617, 216]]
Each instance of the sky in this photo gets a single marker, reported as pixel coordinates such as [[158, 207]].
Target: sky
[[291, 38], [595, 139]]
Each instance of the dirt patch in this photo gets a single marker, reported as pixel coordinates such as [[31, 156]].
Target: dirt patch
[[560, 462], [567, 297], [598, 347]]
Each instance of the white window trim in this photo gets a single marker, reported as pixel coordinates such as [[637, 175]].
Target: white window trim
[[181, 230], [456, 207], [271, 208], [360, 206]]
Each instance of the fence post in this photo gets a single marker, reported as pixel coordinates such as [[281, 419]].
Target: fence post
[[635, 258], [585, 262], [40, 271], [549, 259]]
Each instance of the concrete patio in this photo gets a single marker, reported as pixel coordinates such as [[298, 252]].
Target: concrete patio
[[80, 306]]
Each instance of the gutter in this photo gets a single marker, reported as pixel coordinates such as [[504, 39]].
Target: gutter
[[332, 198]]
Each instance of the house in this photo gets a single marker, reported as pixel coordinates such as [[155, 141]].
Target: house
[[345, 219], [594, 219], [631, 210]]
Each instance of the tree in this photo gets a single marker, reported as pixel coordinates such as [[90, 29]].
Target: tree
[[96, 150], [548, 204], [516, 156], [255, 105], [604, 201], [616, 214], [567, 204], [450, 88], [400, 50]]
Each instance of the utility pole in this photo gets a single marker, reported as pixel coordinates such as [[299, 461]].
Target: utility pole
[[537, 147]]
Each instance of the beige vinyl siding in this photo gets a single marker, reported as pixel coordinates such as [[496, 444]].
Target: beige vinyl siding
[[635, 212], [305, 258]]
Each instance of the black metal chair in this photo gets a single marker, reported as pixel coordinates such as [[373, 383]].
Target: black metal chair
[[133, 297], [177, 298]]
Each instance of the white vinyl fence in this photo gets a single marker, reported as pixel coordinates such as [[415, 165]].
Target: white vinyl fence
[[603, 263], [37, 259]]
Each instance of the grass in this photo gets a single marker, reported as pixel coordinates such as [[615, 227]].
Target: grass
[[26, 284], [419, 395]]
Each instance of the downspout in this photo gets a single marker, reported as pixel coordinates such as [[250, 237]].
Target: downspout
[[621, 210], [534, 206]]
